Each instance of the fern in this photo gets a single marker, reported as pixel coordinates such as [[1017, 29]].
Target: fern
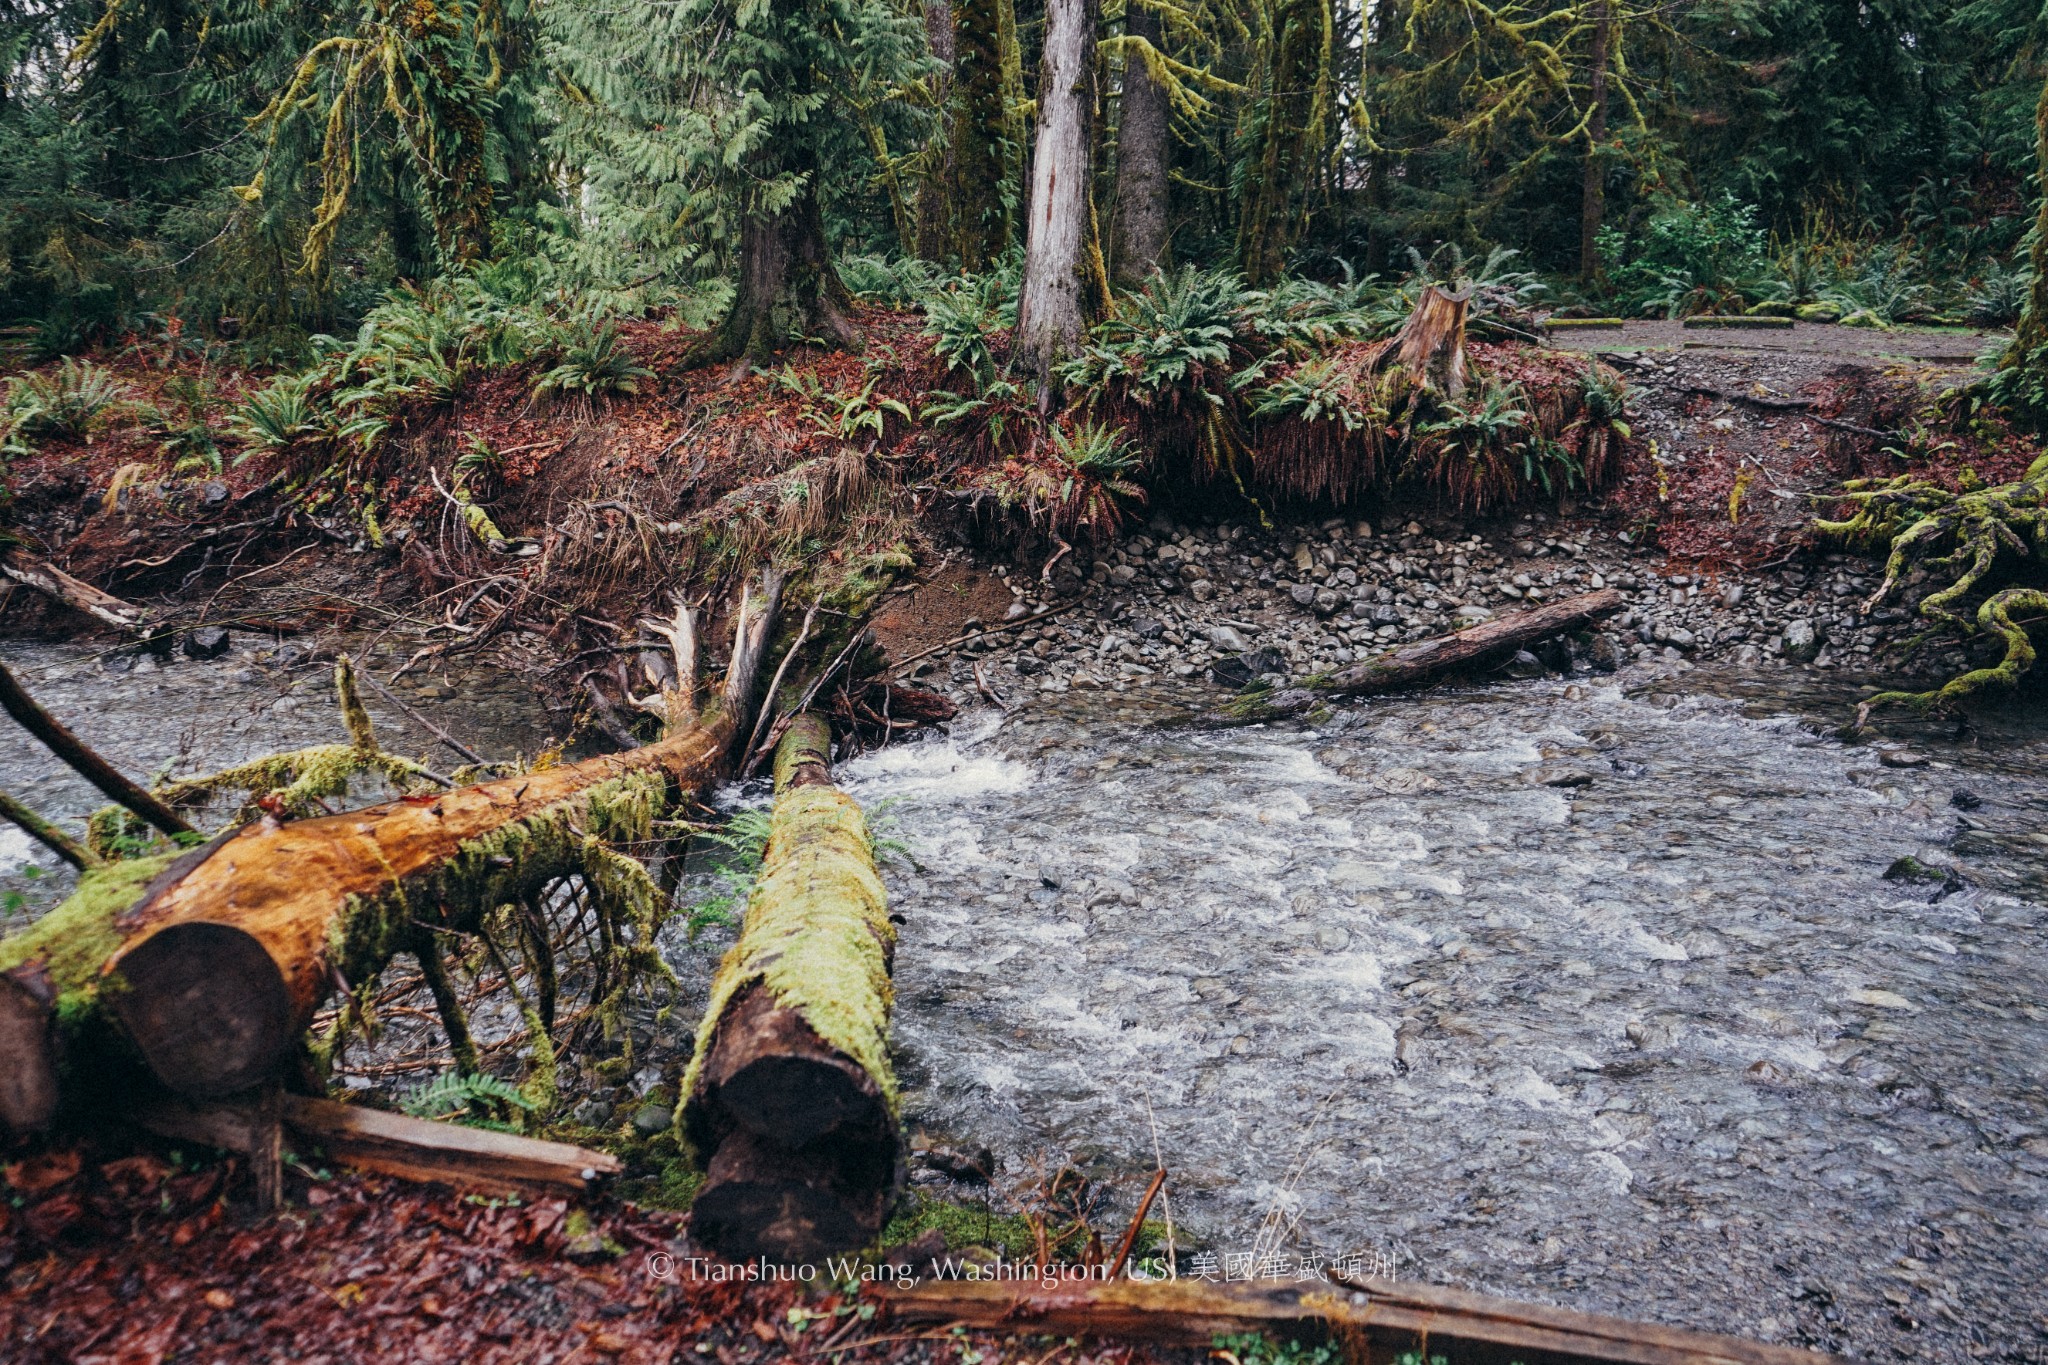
[[467, 1098]]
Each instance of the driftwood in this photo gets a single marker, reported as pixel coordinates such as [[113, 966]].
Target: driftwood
[[218, 957], [1384, 1314], [389, 1144], [46, 578], [789, 1101], [1427, 661]]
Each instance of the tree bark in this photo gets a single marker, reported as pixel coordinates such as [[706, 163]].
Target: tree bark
[[1064, 282], [934, 193], [1138, 232], [219, 956], [788, 287], [1430, 661], [789, 1099], [979, 151], [1593, 186], [1431, 344]]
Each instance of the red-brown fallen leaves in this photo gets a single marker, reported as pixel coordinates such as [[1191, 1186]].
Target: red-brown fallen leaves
[[137, 1260]]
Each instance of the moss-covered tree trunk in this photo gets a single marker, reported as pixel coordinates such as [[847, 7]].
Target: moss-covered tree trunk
[[788, 288], [1065, 285], [2030, 341], [1593, 174], [1283, 130], [979, 151], [1138, 232], [789, 1100], [935, 187]]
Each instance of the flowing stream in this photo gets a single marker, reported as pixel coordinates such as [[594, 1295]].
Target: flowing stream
[[1588, 992]]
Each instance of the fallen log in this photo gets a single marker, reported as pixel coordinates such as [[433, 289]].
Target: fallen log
[[46, 578], [212, 962], [1388, 1315], [1426, 661], [790, 1102], [390, 1144]]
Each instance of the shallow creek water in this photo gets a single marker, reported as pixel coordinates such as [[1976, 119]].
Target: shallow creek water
[[1665, 1044]]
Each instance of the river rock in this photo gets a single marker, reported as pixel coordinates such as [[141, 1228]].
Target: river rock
[[1523, 665], [651, 1119], [1241, 670], [207, 642], [1802, 641], [1228, 638]]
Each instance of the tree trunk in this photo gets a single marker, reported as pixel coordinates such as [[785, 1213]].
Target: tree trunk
[[935, 191], [1064, 284], [979, 149], [789, 1099], [788, 287], [1429, 661], [1138, 232], [1431, 344], [1593, 188], [2030, 339]]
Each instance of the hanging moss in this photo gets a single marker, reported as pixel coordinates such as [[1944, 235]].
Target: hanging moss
[[817, 934]]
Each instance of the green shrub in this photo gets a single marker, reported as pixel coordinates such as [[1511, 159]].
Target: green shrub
[[1690, 258]]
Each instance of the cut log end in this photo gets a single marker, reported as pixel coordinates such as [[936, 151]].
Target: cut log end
[[769, 1073], [760, 1200], [28, 1056], [206, 1007]]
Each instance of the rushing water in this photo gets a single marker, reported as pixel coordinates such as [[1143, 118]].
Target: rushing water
[[1666, 1043]]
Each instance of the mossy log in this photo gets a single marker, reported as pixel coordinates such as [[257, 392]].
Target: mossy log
[[789, 1101], [1426, 661], [212, 962]]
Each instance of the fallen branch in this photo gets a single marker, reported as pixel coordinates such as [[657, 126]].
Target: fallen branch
[[1426, 661], [1396, 1317], [985, 631], [390, 1144], [416, 718], [82, 760]]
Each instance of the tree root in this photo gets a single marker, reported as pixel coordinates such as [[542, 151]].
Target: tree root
[[1969, 535]]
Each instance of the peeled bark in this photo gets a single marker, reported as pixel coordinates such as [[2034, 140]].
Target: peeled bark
[[1138, 232], [1431, 344], [1064, 282], [790, 1100], [1430, 661]]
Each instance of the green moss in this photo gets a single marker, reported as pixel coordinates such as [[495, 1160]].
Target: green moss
[[962, 1225], [75, 939], [817, 934]]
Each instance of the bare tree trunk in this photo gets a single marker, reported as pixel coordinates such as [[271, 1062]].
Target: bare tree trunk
[[1138, 233], [1064, 282], [1593, 190]]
